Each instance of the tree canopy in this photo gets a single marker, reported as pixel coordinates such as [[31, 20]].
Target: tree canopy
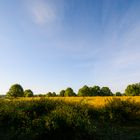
[[133, 90], [15, 90], [28, 93], [62, 93], [49, 94], [95, 91], [118, 94], [69, 92], [84, 91], [105, 91]]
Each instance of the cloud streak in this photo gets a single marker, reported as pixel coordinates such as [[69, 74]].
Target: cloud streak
[[42, 12]]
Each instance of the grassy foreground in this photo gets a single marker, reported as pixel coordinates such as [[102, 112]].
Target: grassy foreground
[[75, 118]]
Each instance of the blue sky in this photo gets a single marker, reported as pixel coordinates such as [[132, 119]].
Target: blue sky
[[49, 45]]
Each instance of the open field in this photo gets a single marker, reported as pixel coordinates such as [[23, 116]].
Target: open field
[[74, 118], [96, 101]]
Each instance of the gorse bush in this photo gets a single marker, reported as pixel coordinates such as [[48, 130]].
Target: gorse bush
[[48, 119], [41, 119], [122, 111]]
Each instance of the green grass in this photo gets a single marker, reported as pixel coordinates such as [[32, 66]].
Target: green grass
[[56, 119]]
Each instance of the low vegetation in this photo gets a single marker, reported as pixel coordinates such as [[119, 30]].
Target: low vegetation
[[56, 118]]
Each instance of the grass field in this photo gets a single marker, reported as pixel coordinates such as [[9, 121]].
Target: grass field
[[96, 101], [75, 118]]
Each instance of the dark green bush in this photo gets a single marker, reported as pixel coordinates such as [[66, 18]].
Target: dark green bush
[[122, 111]]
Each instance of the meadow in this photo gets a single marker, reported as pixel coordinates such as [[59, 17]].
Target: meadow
[[75, 118], [97, 101]]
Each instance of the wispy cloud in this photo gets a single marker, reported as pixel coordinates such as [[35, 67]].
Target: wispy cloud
[[42, 12]]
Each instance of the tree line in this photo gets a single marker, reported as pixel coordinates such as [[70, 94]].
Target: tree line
[[17, 90]]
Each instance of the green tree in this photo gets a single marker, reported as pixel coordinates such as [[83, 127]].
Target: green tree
[[40, 95], [133, 90], [95, 91], [28, 93], [118, 94], [49, 94], [53, 94], [84, 91], [69, 92], [62, 93], [105, 91], [15, 90]]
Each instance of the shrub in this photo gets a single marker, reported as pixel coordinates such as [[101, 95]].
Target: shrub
[[122, 111]]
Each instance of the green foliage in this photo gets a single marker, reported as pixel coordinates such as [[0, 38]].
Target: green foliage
[[41, 119], [105, 91], [69, 92], [15, 90], [40, 95], [54, 94], [51, 94], [53, 119], [28, 93], [122, 111], [84, 91], [118, 94], [95, 91], [70, 121], [62, 93], [133, 90]]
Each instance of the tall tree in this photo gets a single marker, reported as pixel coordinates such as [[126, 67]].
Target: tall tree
[[133, 90], [105, 91], [69, 92], [28, 93], [49, 94], [15, 90], [118, 94], [62, 93], [53, 94], [84, 91], [95, 91]]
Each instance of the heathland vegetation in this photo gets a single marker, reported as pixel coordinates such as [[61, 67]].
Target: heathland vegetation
[[104, 116]]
